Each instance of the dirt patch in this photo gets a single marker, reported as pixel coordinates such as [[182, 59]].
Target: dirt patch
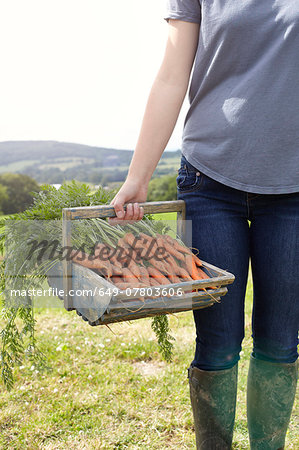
[[149, 368]]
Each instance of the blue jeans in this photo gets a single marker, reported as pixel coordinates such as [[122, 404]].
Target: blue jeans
[[230, 228]]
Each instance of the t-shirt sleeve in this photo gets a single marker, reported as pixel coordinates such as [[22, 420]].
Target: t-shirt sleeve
[[187, 10]]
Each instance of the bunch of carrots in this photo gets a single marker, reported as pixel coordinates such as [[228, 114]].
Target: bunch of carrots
[[142, 261]]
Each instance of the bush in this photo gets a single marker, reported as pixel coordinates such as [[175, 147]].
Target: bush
[[18, 192], [162, 189]]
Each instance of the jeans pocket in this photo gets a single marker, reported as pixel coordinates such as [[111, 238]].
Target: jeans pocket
[[188, 181]]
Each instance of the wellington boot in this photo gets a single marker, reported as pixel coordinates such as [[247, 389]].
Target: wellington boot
[[213, 399], [271, 389]]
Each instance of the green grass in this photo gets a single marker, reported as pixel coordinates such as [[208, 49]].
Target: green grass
[[18, 165], [66, 163], [170, 219], [111, 389]]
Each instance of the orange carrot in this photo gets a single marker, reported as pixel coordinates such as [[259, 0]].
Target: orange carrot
[[182, 248], [191, 267], [116, 270], [170, 249], [184, 274], [144, 275], [91, 262], [197, 260], [169, 269], [174, 268], [145, 236], [194, 274], [174, 278], [124, 251], [109, 252], [149, 244], [115, 262], [176, 244], [136, 255], [134, 268], [136, 244], [161, 252], [155, 273], [97, 248], [123, 244], [126, 248], [106, 253], [128, 260], [202, 275], [129, 277], [127, 274], [104, 249], [117, 279], [168, 238], [122, 286], [170, 260], [129, 238], [154, 282], [147, 240], [159, 265]]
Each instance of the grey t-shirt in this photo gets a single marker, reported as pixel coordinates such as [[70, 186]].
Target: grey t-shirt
[[242, 126]]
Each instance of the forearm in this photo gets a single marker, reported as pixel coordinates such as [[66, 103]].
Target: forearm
[[161, 113]]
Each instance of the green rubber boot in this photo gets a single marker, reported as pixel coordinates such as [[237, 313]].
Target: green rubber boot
[[271, 389], [213, 399]]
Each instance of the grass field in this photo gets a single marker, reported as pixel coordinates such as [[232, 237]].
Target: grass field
[[38, 159], [17, 166], [111, 389]]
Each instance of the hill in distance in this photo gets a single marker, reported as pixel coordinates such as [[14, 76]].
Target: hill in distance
[[54, 162]]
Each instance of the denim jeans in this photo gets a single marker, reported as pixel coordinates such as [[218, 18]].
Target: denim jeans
[[230, 228]]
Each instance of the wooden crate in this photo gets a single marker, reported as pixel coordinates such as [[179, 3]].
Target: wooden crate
[[104, 303]]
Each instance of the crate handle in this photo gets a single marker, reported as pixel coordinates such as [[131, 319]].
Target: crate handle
[[88, 212]]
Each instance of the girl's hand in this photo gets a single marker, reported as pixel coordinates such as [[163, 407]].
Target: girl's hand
[[130, 194]]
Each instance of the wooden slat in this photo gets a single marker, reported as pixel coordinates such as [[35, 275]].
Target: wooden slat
[[66, 264], [89, 212], [124, 315], [173, 303], [139, 315]]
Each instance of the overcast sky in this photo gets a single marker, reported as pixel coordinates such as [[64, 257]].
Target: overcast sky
[[80, 70]]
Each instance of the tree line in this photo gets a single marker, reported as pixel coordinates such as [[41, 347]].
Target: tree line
[[17, 191]]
